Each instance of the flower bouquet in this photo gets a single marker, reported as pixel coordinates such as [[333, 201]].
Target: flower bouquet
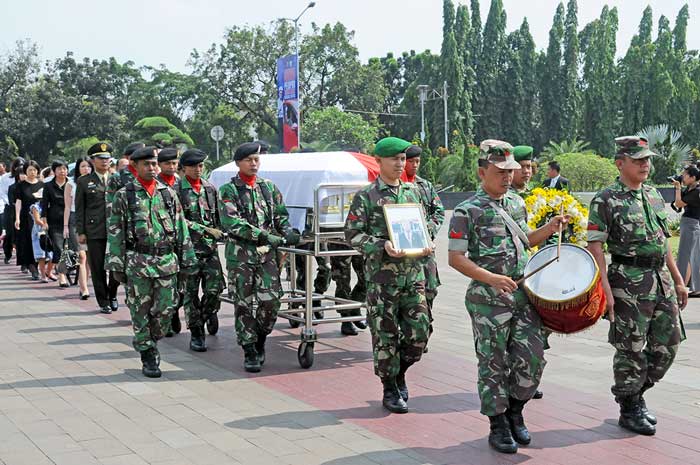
[[544, 204]]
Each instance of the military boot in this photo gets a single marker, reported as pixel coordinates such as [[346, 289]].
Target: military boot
[[347, 329], [150, 361], [631, 416], [251, 363], [516, 421], [392, 400], [197, 339], [500, 437], [260, 348], [175, 323], [651, 418], [401, 380]]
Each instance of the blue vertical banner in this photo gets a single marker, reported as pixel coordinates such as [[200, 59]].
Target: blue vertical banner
[[288, 102]]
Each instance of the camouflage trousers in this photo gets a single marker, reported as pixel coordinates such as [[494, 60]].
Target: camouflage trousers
[[398, 320], [432, 282], [509, 346], [206, 273], [341, 275], [323, 272], [256, 291], [646, 333], [150, 301]]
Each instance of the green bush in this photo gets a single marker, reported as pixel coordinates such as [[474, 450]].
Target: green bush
[[587, 172]]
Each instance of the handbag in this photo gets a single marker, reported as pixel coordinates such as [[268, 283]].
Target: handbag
[[69, 260]]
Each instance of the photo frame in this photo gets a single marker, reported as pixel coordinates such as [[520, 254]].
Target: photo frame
[[407, 229]]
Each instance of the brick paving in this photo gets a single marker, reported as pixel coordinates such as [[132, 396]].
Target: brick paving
[[71, 392]]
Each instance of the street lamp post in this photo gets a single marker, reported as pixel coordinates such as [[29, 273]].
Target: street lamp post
[[423, 91], [422, 97], [296, 52]]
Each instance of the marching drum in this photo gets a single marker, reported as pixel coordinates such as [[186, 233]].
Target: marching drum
[[568, 293]]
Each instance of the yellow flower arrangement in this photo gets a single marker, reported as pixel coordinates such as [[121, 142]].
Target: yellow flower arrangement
[[543, 204]]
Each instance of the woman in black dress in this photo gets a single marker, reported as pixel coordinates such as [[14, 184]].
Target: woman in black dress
[[23, 219], [52, 211], [17, 175]]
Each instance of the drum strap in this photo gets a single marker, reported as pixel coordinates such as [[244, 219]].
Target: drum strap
[[519, 236]]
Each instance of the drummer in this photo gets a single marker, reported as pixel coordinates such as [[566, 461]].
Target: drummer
[[488, 243], [642, 307]]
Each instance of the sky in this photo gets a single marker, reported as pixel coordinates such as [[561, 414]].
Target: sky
[[154, 32]]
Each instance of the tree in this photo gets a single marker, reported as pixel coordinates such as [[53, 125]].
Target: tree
[[464, 109], [570, 104], [490, 100], [666, 143], [552, 96], [587, 172], [452, 66], [158, 130], [336, 130]]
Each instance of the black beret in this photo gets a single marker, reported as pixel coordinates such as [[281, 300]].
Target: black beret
[[413, 151], [192, 157], [144, 153], [101, 150], [133, 147], [250, 148], [168, 154]]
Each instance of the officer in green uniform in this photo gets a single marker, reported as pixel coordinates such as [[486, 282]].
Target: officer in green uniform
[[253, 214], [148, 246], [397, 312], [488, 241], [200, 206], [167, 162], [434, 217], [521, 177], [642, 304]]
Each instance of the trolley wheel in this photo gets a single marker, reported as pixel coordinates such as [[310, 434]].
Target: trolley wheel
[[213, 324], [305, 354], [292, 323]]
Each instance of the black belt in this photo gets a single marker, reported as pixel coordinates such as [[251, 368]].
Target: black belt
[[642, 262], [148, 250]]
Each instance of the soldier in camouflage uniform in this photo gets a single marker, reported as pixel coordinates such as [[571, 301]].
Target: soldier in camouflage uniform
[[199, 201], [434, 217], [254, 216], [642, 305], [488, 243], [167, 162], [396, 307], [148, 246]]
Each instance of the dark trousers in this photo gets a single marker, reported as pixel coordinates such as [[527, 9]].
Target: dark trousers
[[104, 291], [9, 241]]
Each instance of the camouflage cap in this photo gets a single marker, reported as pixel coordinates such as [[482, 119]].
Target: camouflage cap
[[498, 153], [633, 147]]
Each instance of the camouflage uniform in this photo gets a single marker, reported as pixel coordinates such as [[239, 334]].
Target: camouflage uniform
[[340, 274], [396, 307], [646, 333], [150, 244], [507, 330], [115, 182], [201, 210], [253, 273], [434, 217]]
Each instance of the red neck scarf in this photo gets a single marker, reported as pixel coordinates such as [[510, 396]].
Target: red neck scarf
[[132, 170], [195, 183], [410, 178], [168, 178], [150, 186], [250, 180]]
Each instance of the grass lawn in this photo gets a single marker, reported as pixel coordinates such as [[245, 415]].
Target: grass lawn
[[674, 244]]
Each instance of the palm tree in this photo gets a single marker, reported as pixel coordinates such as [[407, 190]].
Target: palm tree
[[553, 149], [673, 154]]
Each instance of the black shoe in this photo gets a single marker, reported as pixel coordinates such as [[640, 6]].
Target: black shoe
[[7, 260], [500, 437], [318, 315], [425, 349], [24, 269], [175, 323], [84, 296], [347, 329], [516, 421], [392, 400], [260, 348], [197, 339], [251, 362], [651, 418], [632, 418], [170, 333], [538, 394], [114, 304], [150, 359], [106, 310], [213, 324], [360, 324]]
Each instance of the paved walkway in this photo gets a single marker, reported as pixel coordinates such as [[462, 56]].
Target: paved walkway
[[71, 392]]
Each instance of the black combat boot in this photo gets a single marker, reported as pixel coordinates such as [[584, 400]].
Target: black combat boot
[[197, 339], [631, 416], [251, 363], [392, 400], [348, 329], [500, 437], [175, 323], [150, 360], [651, 418], [260, 348], [538, 394], [401, 380], [516, 421]]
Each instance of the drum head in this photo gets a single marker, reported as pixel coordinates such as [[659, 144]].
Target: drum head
[[572, 276]]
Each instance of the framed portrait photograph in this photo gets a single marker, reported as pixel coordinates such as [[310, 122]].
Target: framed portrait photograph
[[407, 229]]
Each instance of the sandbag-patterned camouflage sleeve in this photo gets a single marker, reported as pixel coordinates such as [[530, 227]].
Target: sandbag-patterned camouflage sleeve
[[357, 230], [281, 215], [232, 221], [437, 217], [599, 220], [115, 259], [459, 232], [186, 255]]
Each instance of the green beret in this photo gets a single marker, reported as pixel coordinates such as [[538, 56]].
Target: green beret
[[522, 152], [390, 147]]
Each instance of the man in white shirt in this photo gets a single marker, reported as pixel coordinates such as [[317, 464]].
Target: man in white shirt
[[554, 179]]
